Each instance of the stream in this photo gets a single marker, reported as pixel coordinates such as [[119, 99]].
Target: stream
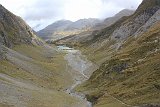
[[80, 70]]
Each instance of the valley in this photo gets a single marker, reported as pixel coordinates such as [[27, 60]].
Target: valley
[[113, 62]]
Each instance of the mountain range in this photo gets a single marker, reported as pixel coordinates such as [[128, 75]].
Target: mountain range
[[125, 49], [96, 26], [65, 28]]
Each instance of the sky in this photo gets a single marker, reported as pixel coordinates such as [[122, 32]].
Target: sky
[[40, 13]]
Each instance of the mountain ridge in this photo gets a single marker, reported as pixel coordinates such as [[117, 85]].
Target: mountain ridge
[[66, 29], [111, 20]]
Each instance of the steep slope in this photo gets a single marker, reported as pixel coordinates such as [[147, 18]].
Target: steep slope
[[65, 28], [131, 74], [13, 30], [128, 53]]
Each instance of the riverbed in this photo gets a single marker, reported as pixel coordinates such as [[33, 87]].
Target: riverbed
[[81, 69]]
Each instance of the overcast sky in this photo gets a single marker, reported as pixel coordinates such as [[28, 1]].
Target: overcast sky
[[40, 13]]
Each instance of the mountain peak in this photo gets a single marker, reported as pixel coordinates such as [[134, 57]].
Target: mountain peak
[[147, 4], [1, 5], [124, 12], [2, 9]]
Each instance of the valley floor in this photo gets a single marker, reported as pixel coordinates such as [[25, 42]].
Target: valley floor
[[46, 76]]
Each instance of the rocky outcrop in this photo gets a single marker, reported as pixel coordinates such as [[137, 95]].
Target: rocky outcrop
[[153, 20], [150, 105], [130, 26], [2, 52], [13, 30]]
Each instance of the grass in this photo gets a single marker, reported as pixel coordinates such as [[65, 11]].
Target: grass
[[5, 105], [108, 101], [54, 64], [55, 99], [137, 82], [52, 84]]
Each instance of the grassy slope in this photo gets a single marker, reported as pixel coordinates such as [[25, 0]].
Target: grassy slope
[[131, 75], [53, 62], [41, 91], [101, 53]]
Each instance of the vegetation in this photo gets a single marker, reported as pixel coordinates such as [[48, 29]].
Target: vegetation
[[47, 88], [131, 75], [128, 73]]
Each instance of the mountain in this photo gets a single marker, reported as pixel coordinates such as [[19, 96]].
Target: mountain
[[83, 24], [111, 20], [13, 30], [128, 55], [47, 32], [79, 28], [32, 73], [65, 28], [86, 35]]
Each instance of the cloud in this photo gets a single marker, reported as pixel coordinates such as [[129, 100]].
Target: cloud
[[40, 13], [44, 10]]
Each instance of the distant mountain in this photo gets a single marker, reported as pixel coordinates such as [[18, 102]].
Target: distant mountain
[[83, 36], [83, 24], [49, 31], [111, 20], [64, 28]]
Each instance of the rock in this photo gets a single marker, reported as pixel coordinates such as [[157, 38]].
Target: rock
[[2, 52], [13, 30], [150, 105]]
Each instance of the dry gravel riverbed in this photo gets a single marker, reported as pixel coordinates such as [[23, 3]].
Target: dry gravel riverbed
[[80, 70]]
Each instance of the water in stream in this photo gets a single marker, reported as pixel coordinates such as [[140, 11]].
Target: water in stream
[[79, 65]]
